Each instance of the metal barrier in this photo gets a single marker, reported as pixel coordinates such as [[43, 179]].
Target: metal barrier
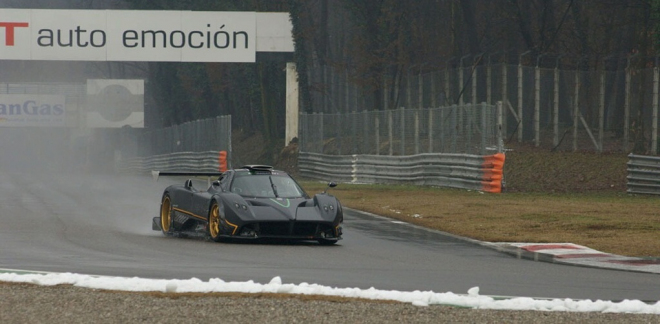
[[463, 171], [643, 174], [209, 161]]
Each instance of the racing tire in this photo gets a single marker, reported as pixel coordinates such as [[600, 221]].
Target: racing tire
[[166, 215], [214, 223]]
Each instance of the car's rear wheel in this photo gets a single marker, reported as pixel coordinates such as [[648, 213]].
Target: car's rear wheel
[[214, 222], [166, 215]]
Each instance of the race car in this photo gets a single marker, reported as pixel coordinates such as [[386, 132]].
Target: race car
[[251, 202]]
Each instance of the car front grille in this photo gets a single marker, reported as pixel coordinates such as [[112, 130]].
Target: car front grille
[[291, 229]]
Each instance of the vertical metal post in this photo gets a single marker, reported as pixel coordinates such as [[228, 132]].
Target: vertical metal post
[[390, 131], [408, 89], [484, 109], [654, 118], [420, 90], [500, 139], [601, 112], [433, 106], [461, 101], [320, 126], [403, 131], [447, 88], [340, 130], [442, 129], [537, 105], [520, 98], [626, 108], [505, 99], [364, 141], [431, 130], [377, 131], [576, 108], [461, 73], [416, 131], [354, 116], [347, 90], [555, 110], [385, 96], [489, 77], [474, 81], [454, 119]]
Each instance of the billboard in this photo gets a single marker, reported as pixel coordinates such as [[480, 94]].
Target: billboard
[[115, 103], [29, 110], [141, 35]]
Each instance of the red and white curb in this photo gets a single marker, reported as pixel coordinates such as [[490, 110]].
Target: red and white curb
[[573, 254]]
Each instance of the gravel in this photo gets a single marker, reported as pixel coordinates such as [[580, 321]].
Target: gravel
[[25, 303]]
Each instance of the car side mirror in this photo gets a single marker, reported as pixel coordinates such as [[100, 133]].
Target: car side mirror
[[331, 184]]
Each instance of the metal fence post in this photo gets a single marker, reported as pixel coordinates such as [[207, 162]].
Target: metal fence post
[[390, 130], [430, 120], [377, 131], [626, 106], [520, 97], [601, 111], [403, 131], [505, 99], [484, 109], [555, 111], [576, 108], [416, 131], [654, 118], [500, 139]]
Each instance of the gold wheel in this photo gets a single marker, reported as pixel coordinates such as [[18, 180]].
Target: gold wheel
[[214, 222], [166, 214]]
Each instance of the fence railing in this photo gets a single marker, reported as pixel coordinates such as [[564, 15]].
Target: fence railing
[[212, 134], [643, 174], [463, 171], [467, 129], [547, 103], [208, 161]]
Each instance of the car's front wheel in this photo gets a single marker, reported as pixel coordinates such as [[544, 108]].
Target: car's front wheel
[[214, 222], [166, 215], [327, 242]]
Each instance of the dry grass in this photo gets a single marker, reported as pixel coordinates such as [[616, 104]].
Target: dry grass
[[609, 221]]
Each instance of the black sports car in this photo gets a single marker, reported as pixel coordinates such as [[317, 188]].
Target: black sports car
[[251, 202]]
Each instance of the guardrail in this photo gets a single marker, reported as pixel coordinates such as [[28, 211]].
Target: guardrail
[[463, 171], [209, 161], [643, 174]]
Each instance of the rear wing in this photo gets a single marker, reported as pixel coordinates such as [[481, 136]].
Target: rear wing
[[156, 174]]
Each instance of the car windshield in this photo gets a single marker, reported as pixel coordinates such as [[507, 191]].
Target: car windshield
[[265, 186]]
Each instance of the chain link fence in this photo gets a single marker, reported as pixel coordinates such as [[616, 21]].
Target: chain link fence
[[469, 129], [613, 107], [212, 134]]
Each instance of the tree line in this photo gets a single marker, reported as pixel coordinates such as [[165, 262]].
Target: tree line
[[377, 40]]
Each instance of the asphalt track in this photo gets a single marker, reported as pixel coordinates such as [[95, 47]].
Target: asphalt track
[[101, 225]]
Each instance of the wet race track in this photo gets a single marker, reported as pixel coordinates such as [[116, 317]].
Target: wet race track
[[101, 225]]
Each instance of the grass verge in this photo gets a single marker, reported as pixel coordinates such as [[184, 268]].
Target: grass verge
[[609, 221]]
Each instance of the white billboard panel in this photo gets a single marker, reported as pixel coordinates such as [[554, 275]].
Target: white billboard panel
[[15, 32], [23, 110], [74, 35], [141, 35], [219, 36], [275, 32], [115, 103]]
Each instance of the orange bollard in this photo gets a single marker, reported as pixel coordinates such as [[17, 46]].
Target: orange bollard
[[222, 161]]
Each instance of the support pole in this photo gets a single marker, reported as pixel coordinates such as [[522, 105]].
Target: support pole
[[292, 108]]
